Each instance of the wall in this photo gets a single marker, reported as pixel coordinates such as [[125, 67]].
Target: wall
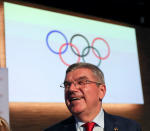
[[37, 116]]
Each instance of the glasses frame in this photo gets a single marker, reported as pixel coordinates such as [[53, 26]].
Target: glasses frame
[[85, 82]]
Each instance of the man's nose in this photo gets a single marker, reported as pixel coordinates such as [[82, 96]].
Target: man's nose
[[73, 86]]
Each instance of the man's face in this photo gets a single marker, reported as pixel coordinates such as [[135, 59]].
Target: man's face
[[83, 98]]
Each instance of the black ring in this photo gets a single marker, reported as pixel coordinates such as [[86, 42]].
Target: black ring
[[88, 44], [95, 50]]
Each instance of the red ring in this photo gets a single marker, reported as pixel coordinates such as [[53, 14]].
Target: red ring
[[61, 53], [102, 58]]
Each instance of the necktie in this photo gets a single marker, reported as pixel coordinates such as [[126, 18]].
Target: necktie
[[89, 126]]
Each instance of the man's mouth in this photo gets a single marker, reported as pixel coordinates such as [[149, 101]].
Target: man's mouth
[[74, 99]]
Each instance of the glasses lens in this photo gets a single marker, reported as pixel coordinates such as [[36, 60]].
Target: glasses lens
[[67, 84]]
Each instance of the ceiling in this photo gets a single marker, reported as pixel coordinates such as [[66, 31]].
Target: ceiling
[[132, 12]]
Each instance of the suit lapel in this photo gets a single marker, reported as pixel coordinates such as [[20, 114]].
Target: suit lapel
[[110, 123], [70, 125], [108, 126]]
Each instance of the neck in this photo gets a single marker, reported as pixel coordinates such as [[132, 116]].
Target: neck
[[87, 116]]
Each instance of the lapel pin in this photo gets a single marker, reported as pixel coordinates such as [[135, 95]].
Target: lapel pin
[[116, 129]]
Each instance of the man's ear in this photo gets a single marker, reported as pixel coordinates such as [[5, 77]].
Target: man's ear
[[102, 91]]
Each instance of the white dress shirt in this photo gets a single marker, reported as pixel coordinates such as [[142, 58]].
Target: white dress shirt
[[99, 120]]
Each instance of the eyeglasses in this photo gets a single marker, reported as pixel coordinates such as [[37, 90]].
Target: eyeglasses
[[78, 83]]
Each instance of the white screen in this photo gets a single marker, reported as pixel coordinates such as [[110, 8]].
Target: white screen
[[34, 38]]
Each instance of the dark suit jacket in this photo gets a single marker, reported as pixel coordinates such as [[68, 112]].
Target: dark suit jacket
[[111, 122]]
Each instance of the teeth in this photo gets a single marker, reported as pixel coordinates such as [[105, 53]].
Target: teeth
[[72, 99], [75, 99]]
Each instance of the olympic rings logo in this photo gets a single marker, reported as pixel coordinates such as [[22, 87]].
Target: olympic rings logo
[[75, 50]]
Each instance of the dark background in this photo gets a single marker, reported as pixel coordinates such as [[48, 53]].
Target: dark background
[[133, 12]]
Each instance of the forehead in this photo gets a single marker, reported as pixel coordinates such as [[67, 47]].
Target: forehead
[[80, 73]]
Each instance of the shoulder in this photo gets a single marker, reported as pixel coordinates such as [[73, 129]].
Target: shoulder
[[62, 125], [122, 122]]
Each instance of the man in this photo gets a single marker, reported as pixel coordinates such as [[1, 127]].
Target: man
[[84, 90]]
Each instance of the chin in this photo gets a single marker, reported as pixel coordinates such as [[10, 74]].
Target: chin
[[76, 110]]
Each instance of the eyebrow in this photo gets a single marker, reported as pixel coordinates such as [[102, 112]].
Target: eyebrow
[[82, 78]]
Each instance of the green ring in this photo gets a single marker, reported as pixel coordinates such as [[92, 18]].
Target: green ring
[[95, 50]]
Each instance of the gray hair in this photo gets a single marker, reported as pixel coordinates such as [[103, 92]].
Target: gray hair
[[98, 72]]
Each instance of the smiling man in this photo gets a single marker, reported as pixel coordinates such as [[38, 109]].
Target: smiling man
[[84, 90]]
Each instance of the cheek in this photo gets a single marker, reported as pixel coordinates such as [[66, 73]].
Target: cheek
[[66, 96], [92, 94]]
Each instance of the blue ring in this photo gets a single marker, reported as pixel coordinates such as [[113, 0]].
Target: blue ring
[[49, 45]]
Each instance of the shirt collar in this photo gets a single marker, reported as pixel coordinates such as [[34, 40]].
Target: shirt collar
[[99, 120]]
